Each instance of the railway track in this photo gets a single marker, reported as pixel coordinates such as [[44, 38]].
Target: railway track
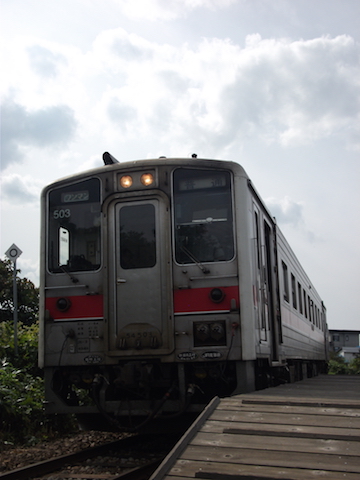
[[131, 458]]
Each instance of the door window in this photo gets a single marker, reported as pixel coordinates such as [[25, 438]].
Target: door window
[[137, 236]]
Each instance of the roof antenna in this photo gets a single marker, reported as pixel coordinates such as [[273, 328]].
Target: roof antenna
[[109, 159], [194, 155]]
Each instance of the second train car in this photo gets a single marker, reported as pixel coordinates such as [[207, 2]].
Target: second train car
[[166, 282]]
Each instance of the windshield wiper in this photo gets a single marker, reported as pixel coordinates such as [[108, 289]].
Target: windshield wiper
[[195, 260], [65, 270]]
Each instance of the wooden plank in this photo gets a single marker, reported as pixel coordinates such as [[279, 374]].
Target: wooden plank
[[350, 434], [285, 418], [306, 401], [185, 440], [305, 445], [291, 401], [301, 431], [230, 471], [176, 478], [336, 391], [234, 406], [249, 456], [84, 476], [329, 390]]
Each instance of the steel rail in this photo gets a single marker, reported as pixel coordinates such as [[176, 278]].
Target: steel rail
[[139, 473], [57, 463]]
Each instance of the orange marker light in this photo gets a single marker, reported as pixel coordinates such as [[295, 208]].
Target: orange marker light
[[147, 179], [126, 181]]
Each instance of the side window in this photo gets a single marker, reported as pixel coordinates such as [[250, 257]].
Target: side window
[[258, 240], [300, 298], [286, 281], [293, 291], [305, 305], [64, 249], [311, 313]]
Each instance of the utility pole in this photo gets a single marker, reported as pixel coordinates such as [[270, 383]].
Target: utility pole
[[13, 253]]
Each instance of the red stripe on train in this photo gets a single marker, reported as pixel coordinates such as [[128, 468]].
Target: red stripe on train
[[198, 300], [81, 306]]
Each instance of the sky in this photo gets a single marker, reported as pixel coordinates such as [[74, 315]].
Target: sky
[[271, 84]]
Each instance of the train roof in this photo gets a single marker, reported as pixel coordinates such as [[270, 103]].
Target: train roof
[[140, 163]]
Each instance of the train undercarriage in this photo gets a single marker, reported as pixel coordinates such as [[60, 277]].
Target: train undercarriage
[[132, 393]]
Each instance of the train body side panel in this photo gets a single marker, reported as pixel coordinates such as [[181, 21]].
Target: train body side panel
[[245, 265], [304, 327]]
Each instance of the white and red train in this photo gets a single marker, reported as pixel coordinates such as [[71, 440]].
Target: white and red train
[[164, 283]]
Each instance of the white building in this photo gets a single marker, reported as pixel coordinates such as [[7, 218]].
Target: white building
[[349, 353]]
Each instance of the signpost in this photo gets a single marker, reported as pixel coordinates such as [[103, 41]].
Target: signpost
[[13, 253]]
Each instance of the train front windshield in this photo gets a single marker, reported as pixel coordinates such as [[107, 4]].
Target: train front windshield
[[203, 216], [74, 227]]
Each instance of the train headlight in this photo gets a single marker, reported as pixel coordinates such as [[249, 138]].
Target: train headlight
[[217, 331], [126, 181], [217, 295], [147, 179], [202, 331], [63, 304], [211, 333]]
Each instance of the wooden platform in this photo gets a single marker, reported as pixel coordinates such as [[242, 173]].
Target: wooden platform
[[300, 431]]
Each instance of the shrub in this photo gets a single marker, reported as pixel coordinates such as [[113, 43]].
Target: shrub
[[28, 295], [27, 358], [338, 366], [354, 366], [22, 417], [21, 403]]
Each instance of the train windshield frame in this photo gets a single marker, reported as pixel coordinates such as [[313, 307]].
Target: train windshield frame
[[203, 216], [74, 227]]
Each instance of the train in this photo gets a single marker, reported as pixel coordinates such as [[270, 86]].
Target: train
[[163, 283]]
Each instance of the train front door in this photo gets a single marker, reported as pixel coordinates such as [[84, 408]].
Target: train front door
[[140, 273]]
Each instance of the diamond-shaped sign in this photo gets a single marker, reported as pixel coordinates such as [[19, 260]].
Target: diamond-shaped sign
[[13, 252]]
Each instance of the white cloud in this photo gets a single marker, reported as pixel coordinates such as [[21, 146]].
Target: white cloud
[[292, 220], [152, 10], [54, 125], [44, 61], [29, 268], [20, 190], [295, 92], [120, 112], [277, 90], [286, 210], [291, 93]]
